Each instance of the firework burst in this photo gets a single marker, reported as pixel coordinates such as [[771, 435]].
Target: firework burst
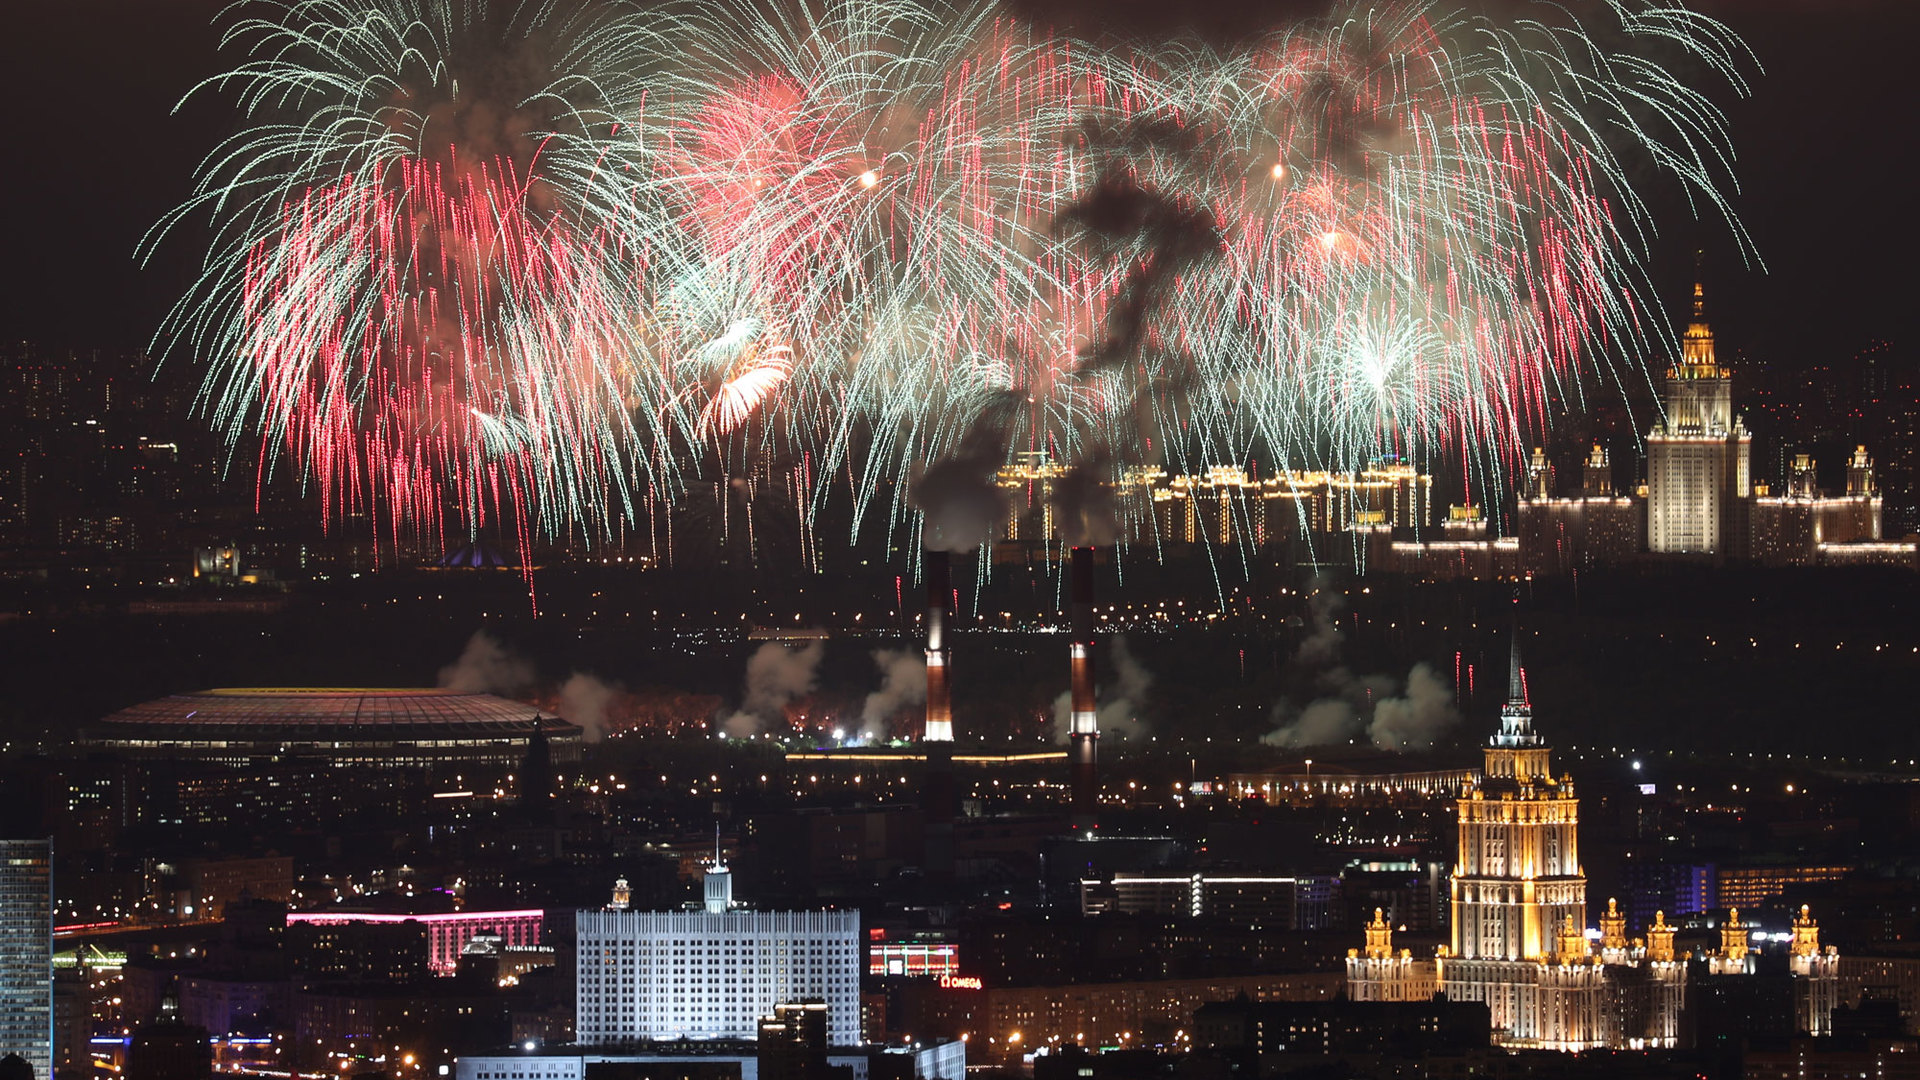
[[468, 264]]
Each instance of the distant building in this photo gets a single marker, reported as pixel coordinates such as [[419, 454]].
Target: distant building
[[1290, 902], [792, 1044], [169, 1048], [1559, 535], [1520, 941], [1799, 526], [26, 953], [1226, 504], [446, 934], [1341, 1027], [1699, 498], [712, 973], [1699, 458], [730, 1060]]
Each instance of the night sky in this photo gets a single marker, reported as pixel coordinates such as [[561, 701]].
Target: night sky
[[95, 154]]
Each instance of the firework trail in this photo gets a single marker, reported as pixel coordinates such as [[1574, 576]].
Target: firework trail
[[535, 264]]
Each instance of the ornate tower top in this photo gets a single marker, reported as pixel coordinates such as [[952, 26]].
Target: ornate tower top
[[1696, 344], [1860, 473], [1516, 755], [1596, 476], [622, 895], [1379, 936], [1733, 937], [1572, 943], [1660, 939], [1613, 927], [718, 885], [1516, 716], [1806, 933]]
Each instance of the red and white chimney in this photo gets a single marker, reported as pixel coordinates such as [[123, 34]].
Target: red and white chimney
[[1083, 726], [939, 726]]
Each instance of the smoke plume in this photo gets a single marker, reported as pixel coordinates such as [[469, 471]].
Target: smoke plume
[[1415, 719], [776, 675], [1157, 234], [1126, 695], [587, 700], [957, 494], [487, 667], [1390, 713], [1083, 503], [903, 682]]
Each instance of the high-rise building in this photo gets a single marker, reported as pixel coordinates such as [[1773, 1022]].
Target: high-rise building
[[647, 976], [1520, 940], [26, 952], [1699, 457]]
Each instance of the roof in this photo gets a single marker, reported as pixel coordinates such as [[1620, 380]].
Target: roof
[[389, 713]]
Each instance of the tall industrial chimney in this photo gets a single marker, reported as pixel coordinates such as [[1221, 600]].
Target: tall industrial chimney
[[939, 704], [1084, 724], [936, 738]]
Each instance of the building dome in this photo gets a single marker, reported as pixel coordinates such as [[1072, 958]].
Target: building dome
[[392, 727]]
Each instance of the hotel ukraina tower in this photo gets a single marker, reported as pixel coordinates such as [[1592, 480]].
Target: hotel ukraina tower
[[1519, 908]]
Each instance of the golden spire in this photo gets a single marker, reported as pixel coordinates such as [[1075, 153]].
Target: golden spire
[[1379, 937], [1806, 934], [1696, 345], [1660, 939], [1613, 927]]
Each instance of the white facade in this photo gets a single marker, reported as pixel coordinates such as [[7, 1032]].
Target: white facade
[[657, 975]]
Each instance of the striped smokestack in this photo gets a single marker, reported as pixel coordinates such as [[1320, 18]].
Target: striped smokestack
[[937, 794], [1084, 725], [939, 704]]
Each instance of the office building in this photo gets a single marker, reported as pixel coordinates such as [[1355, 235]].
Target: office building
[[26, 953], [446, 933]]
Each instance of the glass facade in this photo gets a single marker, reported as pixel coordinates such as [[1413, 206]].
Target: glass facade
[[26, 953]]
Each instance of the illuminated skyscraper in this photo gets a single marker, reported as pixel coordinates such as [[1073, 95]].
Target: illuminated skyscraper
[[1699, 457], [1520, 896], [26, 952]]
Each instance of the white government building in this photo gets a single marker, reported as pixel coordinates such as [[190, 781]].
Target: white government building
[[651, 976]]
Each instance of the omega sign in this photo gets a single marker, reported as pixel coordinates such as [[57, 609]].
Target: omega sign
[[961, 982]]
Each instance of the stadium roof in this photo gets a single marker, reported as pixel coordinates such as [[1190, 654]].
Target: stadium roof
[[373, 713]]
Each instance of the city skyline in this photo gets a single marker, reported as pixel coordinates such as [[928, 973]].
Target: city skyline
[[959, 540]]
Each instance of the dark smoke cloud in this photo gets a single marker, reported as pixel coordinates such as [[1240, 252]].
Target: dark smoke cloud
[[957, 494], [1221, 22], [1083, 502], [1161, 234]]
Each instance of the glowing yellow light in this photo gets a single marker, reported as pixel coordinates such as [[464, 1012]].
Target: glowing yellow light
[[869, 178], [1279, 170]]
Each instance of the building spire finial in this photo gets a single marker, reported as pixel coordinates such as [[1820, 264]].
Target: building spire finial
[[1516, 716]]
